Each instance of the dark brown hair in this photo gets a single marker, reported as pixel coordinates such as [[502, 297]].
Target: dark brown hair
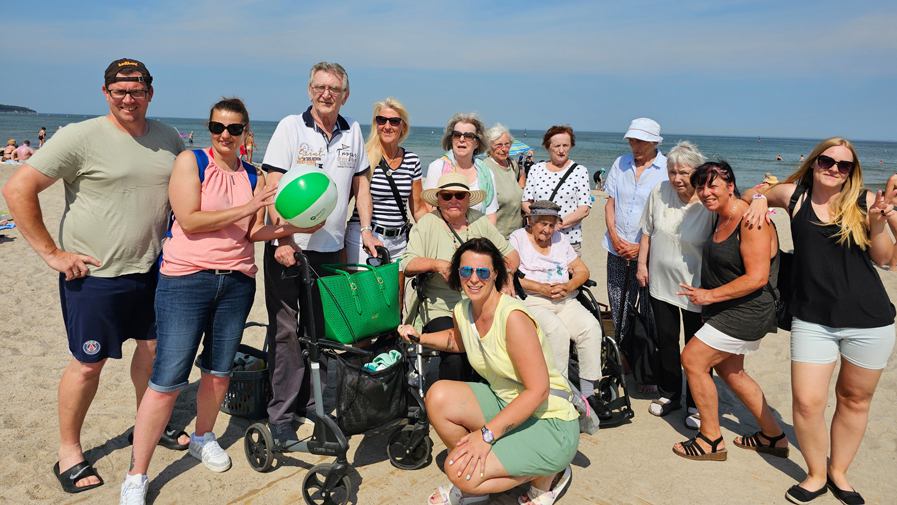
[[708, 172], [232, 104], [479, 246], [554, 130]]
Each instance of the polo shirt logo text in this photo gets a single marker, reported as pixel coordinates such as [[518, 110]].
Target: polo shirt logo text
[[309, 156]]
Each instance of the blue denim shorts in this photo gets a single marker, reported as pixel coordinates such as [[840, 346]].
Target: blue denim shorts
[[198, 307], [867, 348]]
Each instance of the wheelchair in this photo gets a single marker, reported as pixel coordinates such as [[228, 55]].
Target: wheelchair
[[408, 447]]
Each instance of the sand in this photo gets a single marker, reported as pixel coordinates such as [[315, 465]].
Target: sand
[[632, 463]]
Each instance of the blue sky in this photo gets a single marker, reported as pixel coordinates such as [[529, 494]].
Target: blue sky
[[796, 69]]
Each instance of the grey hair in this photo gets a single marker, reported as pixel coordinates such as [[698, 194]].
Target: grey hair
[[331, 68], [497, 131], [684, 153], [471, 118]]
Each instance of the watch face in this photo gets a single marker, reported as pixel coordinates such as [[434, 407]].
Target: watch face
[[487, 435]]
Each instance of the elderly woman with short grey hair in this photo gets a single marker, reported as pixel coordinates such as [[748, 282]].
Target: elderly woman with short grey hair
[[509, 180], [675, 226], [464, 138]]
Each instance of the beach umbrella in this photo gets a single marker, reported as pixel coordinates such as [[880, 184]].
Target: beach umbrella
[[518, 147]]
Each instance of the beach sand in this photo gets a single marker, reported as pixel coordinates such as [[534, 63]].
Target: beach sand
[[630, 464]]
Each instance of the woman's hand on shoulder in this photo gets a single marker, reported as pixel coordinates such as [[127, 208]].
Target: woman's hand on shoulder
[[758, 209]]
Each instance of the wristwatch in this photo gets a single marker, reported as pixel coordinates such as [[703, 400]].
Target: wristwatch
[[488, 437]]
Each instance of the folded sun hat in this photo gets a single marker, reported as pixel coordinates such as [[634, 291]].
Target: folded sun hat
[[452, 182], [644, 129]]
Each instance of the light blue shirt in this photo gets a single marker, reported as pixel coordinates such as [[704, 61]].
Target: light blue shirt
[[630, 195]]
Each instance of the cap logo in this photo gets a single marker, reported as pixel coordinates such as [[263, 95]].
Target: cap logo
[[127, 63]]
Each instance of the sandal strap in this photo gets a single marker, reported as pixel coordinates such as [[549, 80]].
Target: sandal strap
[[754, 440], [692, 448], [713, 443]]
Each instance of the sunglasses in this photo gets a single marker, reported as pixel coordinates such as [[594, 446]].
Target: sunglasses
[[466, 135], [393, 121], [234, 129], [826, 163], [483, 273], [448, 196]]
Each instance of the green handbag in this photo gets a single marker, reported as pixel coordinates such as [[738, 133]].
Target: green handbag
[[361, 304]]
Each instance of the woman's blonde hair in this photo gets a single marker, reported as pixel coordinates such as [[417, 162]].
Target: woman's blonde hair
[[845, 212], [375, 152]]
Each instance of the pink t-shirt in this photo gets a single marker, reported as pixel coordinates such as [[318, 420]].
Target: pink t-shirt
[[541, 268], [225, 249]]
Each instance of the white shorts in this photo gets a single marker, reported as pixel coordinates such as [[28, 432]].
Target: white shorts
[[355, 249], [722, 342], [867, 348]]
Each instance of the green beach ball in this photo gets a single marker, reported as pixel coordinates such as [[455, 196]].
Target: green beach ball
[[305, 196]]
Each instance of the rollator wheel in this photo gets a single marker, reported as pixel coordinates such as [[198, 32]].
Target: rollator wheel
[[313, 487], [402, 458], [258, 445], [607, 390]]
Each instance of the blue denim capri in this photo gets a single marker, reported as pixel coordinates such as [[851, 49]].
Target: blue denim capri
[[206, 307]]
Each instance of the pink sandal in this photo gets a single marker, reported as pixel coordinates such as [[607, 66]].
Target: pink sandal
[[453, 496]]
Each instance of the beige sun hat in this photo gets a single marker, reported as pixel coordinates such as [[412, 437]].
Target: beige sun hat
[[452, 182]]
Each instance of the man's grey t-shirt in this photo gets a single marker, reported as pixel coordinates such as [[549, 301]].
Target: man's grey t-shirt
[[116, 192]]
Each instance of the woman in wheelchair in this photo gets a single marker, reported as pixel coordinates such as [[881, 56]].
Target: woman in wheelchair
[[433, 241], [552, 274], [520, 426]]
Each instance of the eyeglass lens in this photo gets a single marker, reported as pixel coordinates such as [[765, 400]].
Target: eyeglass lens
[[826, 163], [482, 273], [234, 129], [137, 94], [448, 196], [466, 135], [393, 121]]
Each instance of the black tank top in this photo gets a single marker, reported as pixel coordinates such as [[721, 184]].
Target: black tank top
[[749, 317], [834, 285]]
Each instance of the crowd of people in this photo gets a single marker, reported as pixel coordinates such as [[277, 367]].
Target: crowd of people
[[173, 265]]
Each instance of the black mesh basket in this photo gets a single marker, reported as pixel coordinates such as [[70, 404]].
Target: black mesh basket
[[366, 399]]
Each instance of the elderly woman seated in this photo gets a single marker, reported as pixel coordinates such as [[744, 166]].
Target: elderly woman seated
[[552, 274], [433, 241]]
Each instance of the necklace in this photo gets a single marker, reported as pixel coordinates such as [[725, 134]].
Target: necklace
[[389, 160], [727, 220]]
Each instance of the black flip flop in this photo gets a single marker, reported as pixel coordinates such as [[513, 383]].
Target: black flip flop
[[169, 439], [80, 471]]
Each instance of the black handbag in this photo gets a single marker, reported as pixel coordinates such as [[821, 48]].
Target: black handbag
[[639, 345]]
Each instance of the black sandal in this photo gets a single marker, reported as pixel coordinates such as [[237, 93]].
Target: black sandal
[[71, 476], [666, 406], [753, 443], [692, 450], [169, 439]]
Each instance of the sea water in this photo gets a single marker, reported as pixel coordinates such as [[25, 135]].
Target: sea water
[[750, 159]]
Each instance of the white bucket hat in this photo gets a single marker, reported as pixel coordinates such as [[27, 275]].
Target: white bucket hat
[[644, 129]]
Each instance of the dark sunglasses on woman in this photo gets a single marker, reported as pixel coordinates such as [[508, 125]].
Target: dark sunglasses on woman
[[482, 273], [826, 163], [234, 129], [448, 196], [393, 121], [466, 135]]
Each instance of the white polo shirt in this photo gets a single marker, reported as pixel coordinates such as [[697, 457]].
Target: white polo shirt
[[299, 141]]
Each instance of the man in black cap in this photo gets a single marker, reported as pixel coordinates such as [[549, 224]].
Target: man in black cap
[[116, 170]]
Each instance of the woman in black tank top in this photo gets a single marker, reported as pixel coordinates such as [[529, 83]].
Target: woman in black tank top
[[838, 300], [737, 307]]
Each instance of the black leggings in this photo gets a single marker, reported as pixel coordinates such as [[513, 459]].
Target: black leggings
[[666, 320], [453, 366]]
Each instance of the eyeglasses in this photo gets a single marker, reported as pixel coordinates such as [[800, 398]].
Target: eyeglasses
[[466, 135], [319, 90], [136, 94], [393, 121], [499, 146], [448, 196], [826, 163], [483, 273], [234, 129]]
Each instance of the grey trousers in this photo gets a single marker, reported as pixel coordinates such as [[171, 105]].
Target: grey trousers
[[289, 371]]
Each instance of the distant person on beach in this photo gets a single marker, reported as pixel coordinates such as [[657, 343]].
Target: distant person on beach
[[210, 260], [249, 143], [9, 153], [562, 181], [528, 163], [110, 238], [779, 158], [509, 180], [322, 139], [739, 270], [24, 151], [464, 138], [839, 307], [41, 136], [598, 177], [190, 138], [801, 158], [629, 182]]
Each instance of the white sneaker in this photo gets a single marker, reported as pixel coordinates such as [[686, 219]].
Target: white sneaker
[[209, 452], [133, 490]]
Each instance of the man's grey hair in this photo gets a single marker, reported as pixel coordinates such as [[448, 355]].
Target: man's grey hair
[[471, 118], [497, 131], [685, 154], [331, 68]]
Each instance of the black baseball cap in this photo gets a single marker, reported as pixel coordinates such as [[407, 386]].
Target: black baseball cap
[[127, 64]]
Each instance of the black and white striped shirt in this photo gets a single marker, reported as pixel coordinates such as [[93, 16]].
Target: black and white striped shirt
[[386, 212]]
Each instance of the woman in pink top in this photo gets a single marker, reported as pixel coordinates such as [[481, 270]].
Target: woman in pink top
[[207, 286]]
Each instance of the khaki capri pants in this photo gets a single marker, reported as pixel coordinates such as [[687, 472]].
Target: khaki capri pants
[[564, 321]]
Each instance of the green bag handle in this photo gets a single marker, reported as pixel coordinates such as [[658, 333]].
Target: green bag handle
[[332, 267]]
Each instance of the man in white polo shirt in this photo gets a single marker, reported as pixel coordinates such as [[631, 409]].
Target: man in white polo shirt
[[320, 137]]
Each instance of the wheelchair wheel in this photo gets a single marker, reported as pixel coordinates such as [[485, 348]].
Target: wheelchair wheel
[[607, 390], [258, 445], [313, 487], [398, 453]]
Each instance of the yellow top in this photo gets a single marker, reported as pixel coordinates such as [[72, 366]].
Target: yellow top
[[488, 355]]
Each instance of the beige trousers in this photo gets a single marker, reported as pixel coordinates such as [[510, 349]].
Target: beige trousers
[[564, 321]]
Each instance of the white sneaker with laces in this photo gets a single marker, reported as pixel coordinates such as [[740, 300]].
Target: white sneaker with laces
[[133, 490], [209, 452]]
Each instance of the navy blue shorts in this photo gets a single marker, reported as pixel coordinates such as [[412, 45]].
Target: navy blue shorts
[[100, 313]]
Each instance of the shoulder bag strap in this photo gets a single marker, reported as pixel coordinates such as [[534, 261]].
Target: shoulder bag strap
[[798, 191], [562, 181], [452, 229], [387, 171]]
